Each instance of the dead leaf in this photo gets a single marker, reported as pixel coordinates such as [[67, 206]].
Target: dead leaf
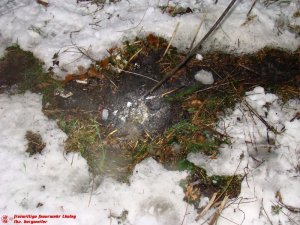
[[92, 72], [213, 156], [200, 138], [278, 196], [153, 40], [196, 103], [104, 63], [69, 78]]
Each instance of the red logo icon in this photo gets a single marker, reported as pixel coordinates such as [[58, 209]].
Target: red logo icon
[[4, 219]]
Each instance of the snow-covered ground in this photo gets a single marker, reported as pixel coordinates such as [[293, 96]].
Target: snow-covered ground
[[66, 25], [54, 183]]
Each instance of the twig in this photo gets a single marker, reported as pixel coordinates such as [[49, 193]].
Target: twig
[[91, 192], [261, 118], [266, 213], [136, 25], [218, 212], [197, 32], [81, 50], [251, 8], [193, 51], [290, 208], [169, 92], [207, 207], [187, 205], [134, 55], [231, 179], [140, 75], [172, 38]]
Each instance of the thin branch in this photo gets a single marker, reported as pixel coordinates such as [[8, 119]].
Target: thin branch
[[207, 207], [91, 192], [266, 213], [185, 213], [138, 74], [197, 32], [253, 4], [172, 38], [219, 211], [136, 25], [80, 49], [261, 118]]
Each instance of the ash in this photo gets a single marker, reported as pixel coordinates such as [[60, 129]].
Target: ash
[[133, 115]]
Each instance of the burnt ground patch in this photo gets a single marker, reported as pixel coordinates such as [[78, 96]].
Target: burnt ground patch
[[114, 128], [174, 120]]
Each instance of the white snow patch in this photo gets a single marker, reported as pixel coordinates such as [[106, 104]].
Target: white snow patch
[[204, 77], [199, 57], [65, 26]]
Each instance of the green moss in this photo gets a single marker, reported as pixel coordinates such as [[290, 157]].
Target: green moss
[[26, 71], [208, 147], [223, 185], [183, 127]]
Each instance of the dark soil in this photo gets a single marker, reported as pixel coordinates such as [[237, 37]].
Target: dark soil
[[180, 113], [35, 143]]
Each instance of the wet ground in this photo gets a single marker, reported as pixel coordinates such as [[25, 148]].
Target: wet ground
[[107, 119]]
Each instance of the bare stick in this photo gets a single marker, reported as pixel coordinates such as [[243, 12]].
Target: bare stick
[[193, 51], [135, 54], [251, 8], [91, 192], [218, 212], [140, 75], [270, 221], [207, 207], [173, 35], [197, 32], [273, 129]]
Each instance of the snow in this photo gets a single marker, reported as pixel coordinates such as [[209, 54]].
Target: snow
[[61, 182], [64, 26], [199, 57], [204, 77], [56, 183]]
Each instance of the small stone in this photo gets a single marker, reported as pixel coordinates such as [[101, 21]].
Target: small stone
[[199, 57], [204, 77], [129, 104], [105, 114]]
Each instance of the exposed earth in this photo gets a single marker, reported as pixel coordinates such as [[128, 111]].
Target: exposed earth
[[107, 119]]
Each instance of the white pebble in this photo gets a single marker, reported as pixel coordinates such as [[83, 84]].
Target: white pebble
[[105, 114], [204, 77], [199, 57], [129, 104]]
